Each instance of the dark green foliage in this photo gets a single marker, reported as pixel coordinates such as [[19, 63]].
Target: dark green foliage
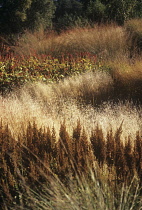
[[68, 7], [67, 14], [96, 11], [119, 10], [40, 14], [31, 14], [18, 15], [138, 9], [122, 10], [13, 14]]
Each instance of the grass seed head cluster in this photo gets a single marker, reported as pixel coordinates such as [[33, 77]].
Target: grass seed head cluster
[[49, 105]]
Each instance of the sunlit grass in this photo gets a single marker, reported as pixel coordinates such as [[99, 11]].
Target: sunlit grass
[[49, 105], [47, 167], [71, 124]]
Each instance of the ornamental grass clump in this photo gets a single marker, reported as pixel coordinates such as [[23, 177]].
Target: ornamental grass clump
[[127, 77], [134, 33], [106, 41], [64, 168]]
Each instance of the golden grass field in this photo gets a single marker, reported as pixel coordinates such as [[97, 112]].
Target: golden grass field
[[74, 143]]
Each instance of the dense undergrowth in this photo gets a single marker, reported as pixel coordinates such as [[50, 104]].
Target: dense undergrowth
[[71, 119]]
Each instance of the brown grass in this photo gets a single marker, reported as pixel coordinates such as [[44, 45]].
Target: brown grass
[[127, 75], [134, 36], [105, 41], [40, 159]]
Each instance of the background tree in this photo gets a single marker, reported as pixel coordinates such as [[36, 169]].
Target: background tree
[[13, 14], [17, 15], [67, 13], [39, 14], [138, 9], [68, 7], [120, 10], [96, 10]]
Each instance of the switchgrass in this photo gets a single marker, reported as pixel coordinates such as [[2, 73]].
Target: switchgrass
[[128, 78], [105, 41]]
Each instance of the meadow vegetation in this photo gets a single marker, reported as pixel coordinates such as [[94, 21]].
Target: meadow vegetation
[[71, 119]]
